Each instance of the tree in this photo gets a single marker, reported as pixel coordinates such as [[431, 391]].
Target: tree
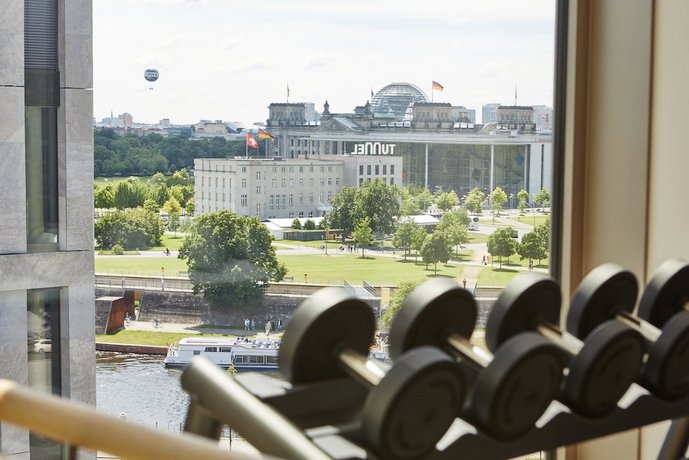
[[404, 237], [230, 258], [296, 224], [523, 199], [418, 237], [498, 198], [173, 210], [409, 206], [424, 199], [343, 216], [542, 198], [543, 232], [435, 249], [379, 202], [501, 243], [446, 200], [531, 247], [190, 207], [130, 193], [103, 197], [363, 234], [309, 224], [454, 225], [403, 291], [132, 229], [474, 200]]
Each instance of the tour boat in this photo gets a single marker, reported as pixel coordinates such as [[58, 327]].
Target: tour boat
[[241, 353]]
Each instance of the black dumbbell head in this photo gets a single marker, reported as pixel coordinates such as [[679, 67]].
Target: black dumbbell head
[[604, 291], [512, 393], [601, 373], [529, 299], [433, 311], [329, 321], [405, 415], [666, 372], [666, 293]]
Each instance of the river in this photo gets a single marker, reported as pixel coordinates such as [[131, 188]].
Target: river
[[141, 389]]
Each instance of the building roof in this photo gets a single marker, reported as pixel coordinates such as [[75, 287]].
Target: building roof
[[395, 99], [283, 223]]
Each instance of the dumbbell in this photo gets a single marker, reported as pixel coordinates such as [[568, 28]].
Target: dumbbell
[[600, 369], [610, 292], [511, 389], [410, 405]]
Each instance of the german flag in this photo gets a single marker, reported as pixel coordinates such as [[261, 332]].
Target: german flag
[[264, 135], [437, 86]]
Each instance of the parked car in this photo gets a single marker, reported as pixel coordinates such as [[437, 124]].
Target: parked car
[[43, 346]]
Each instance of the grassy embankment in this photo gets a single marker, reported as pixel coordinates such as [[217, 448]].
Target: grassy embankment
[[155, 338]]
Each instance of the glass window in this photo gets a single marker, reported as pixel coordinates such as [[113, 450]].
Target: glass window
[[43, 331], [45, 369], [41, 178]]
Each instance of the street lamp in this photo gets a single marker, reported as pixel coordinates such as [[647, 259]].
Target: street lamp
[[533, 211], [511, 197]]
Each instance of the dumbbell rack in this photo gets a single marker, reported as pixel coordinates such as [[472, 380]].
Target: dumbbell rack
[[327, 413]]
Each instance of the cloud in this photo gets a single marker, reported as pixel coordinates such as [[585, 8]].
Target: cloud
[[315, 61]]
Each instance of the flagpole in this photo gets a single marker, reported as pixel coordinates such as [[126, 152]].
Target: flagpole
[[246, 147]]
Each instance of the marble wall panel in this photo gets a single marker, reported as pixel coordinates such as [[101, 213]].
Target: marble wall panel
[[82, 348], [14, 442], [45, 270], [12, 40], [77, 216], [12, 173], [76, 52]]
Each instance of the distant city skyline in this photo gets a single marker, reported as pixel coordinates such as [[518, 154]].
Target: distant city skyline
[[229, 59]]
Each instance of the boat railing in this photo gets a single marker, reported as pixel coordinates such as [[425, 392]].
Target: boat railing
[[79, 425]]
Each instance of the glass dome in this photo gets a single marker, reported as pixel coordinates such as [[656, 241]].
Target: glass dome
[[395, 99]]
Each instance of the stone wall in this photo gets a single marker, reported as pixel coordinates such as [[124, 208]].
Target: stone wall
[[187, 308]]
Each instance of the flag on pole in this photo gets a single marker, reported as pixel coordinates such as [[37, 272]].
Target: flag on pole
[[251, 141], [264, 135], [288, 92], [437, 86], [371, 95]]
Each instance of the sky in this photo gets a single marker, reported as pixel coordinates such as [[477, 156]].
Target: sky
[[229, 59]]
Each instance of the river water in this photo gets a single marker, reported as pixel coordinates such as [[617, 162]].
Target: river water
[[140, 388]]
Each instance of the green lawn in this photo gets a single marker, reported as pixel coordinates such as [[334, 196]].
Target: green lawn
[[171, 242], [113, 180], [336, 268], [529, 219], [161, 339], [476, 237], [496, 277], [141, 265]]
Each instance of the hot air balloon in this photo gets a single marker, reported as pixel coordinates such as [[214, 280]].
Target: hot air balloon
[[151, 75]]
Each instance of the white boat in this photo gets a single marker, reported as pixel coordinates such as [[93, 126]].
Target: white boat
[[244, 354]]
